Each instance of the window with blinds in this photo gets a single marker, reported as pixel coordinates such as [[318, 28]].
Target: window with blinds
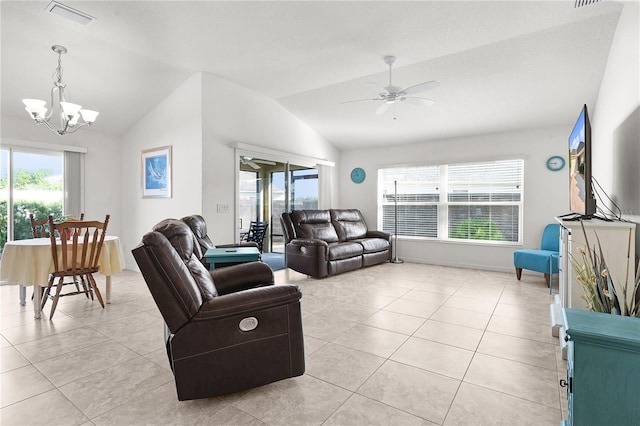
[[478, 201]]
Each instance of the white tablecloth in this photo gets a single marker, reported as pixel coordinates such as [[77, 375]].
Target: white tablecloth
[[29, 262]]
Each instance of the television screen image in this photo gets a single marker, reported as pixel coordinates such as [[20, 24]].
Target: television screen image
[[580, 192]]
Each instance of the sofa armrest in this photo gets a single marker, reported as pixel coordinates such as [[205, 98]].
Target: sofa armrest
[[379, 234], [308, 242], [241, 277], [248, 301], [308, 256]]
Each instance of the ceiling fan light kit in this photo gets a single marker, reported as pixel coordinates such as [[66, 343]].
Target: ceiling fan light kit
[[70, 113], [255, 163], [391, 94]]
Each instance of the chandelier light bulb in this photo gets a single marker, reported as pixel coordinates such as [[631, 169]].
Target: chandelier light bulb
[[35, 107], [69, 109], [88, 115]]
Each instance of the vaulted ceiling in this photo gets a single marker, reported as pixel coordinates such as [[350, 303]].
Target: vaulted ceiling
[[501, 65]]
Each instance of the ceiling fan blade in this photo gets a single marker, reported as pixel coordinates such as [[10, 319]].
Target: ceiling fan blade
[[413, 100], [382, 108], [252, 164], [420, 87], [361, 100], [379, 90], [267, 162]]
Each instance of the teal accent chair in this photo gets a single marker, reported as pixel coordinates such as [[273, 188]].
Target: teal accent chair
[[545, 259]]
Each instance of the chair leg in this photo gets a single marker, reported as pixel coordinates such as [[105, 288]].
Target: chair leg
[[75, 282], [547, 279], [80, 280], [45, 293], [518, 273], [57, 297], [92, 281], [88, 291]]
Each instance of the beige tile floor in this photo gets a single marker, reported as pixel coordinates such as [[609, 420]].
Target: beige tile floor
[[396, 344]]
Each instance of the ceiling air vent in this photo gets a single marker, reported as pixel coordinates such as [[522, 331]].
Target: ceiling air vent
[[580, 3], [69, 13]]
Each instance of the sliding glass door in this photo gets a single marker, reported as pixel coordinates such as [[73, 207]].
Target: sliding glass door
[[31, 181], [269, 188], [298, 192]]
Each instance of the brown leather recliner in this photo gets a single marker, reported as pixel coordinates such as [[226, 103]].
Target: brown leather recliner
[[199, 228], [229, 329]]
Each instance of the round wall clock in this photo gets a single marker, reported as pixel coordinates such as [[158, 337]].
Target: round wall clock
[[358, 175], [555, 163]]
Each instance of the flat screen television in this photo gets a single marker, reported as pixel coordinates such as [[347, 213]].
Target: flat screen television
[[582, 201]]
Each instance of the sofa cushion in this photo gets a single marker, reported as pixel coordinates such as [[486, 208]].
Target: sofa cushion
[[314, 224], [349, 224], [344, 265], [373, 245], [346, 250]]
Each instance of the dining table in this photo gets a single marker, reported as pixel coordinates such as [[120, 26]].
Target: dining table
[[29, 262]]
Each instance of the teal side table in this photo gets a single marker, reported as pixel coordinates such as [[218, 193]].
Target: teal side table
[[603, 368], [234, 255]]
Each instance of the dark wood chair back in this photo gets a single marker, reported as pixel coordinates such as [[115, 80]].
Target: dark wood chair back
[[40, 227]]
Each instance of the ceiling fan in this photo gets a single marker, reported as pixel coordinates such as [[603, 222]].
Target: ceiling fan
[[391, 94], [254, 162]]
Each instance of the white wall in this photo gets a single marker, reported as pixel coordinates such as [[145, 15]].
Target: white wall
[[619, 93], [177, 121], [200, 119], [102, 164], [545, 192], [232, 113], [618, 98]]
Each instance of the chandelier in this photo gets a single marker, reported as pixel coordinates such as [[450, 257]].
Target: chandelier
[[70, 114]]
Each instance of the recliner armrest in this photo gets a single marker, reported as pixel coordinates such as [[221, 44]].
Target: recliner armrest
[[241, 277], [248, 301], [378, 234]]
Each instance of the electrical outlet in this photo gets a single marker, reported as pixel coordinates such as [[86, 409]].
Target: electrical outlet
[[223, 208]]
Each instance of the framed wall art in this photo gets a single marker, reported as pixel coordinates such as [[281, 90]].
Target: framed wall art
[[156, 177]]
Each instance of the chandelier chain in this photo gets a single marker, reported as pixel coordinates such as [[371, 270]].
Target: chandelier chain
[[57, 74]]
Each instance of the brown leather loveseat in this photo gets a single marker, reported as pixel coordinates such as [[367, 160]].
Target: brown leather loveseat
[[320, 243], [226, 330]]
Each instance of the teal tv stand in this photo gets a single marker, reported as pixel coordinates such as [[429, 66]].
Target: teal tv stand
[[603, 369]]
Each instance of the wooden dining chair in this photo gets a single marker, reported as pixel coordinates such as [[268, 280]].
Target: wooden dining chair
[[40, 227], [257, 232], [76, 256]]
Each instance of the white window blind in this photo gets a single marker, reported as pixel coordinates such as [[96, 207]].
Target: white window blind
[[418, 196], [73, 183], [476, 201], [484, 200]]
